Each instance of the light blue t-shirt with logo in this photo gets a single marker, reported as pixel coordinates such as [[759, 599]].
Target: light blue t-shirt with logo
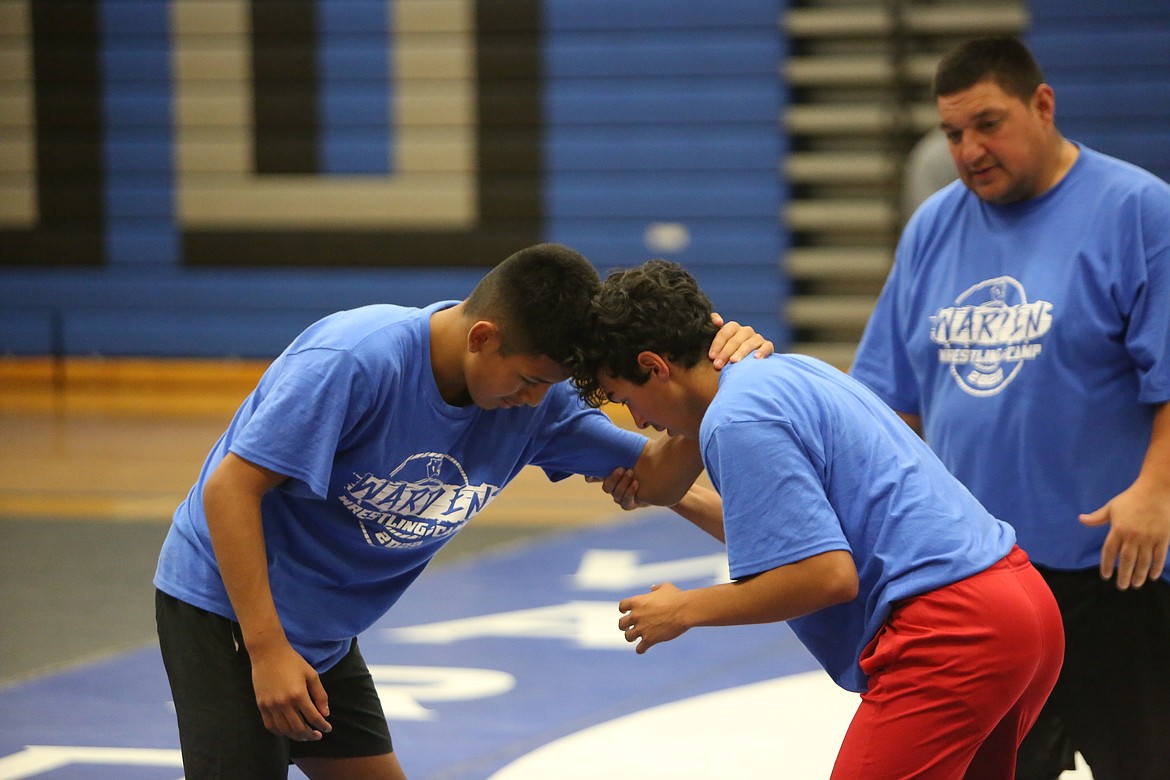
[[1034, 340], [382, 473], [808, 461]]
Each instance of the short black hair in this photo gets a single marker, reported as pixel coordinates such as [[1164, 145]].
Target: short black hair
[[539, 297], [1003, 59], [657, 306]]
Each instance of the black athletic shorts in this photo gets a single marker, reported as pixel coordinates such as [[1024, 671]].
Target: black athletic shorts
[[221, 730], [1110, 702]]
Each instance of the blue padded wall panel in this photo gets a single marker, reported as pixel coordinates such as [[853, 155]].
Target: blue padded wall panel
[[28, 330], [662, 140], [196, 315], [686, 53], [354, 68], [706, 102], [1080, 52], [624, 16], [664, 195], [1109, 64], [1089, 15], [659, 125], [658, 149]]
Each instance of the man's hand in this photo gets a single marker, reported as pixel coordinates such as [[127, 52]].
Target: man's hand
[[1135, 548]]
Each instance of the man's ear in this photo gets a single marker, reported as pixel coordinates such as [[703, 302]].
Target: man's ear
[[653, 364], [1044, 103], [483, 334]]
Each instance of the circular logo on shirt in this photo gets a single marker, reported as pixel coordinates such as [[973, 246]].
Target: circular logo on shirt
[[426, 498], [989, 334]]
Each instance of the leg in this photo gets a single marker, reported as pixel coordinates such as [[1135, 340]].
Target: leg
[[383, 767], [998, 756], [220, 728], [359, 746], [951, 670], [1116, 681], [1046, 751]]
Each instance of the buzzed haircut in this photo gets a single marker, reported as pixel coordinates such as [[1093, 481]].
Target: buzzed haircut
[[657, 306], [1003, 59], [539, 298]]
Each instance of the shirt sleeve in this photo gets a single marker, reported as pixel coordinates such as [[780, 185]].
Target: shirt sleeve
[[882, 362], [582, 440], [1148, 334], [775, 509], [302, 413]]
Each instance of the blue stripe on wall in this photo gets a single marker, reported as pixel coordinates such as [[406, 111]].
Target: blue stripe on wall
[[356, 86], [660, 124], [654, 15], [1109, 65], [662, 140], [138, 146]]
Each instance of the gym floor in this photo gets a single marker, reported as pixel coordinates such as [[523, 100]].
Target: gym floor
[[95, 455], [502, 662]]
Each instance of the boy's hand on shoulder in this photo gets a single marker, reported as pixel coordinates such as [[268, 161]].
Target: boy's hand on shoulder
[[734, 342]]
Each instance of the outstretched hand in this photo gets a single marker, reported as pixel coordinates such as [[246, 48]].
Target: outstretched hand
[[652, 617]]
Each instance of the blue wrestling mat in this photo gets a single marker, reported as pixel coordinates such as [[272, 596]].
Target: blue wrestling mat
[[507, 666]]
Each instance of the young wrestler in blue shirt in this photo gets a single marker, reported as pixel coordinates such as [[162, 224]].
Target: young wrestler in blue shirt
[[841, 521], [373, 438]]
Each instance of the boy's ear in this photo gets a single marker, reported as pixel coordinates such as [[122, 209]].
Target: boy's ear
[[482, 335], [653, 364]]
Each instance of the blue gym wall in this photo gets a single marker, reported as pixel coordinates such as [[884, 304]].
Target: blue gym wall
[[627, 130], [1109, 63]]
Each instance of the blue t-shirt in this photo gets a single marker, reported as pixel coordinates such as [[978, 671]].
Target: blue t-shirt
[[808, 461], [382, 472], [1034, 340]]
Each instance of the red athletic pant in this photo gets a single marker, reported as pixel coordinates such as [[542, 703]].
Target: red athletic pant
[[957, 676]]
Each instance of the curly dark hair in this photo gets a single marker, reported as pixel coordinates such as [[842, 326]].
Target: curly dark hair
[[539, 297], [657, 306], [1003, 59]]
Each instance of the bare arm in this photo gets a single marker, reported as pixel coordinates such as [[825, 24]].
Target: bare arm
[[782, 593], [913, 420], [1135, 548], [666, 469], [701, 506], [288, 691], [704, 508]]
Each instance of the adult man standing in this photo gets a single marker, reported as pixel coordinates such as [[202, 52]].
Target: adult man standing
[[1025, 331]]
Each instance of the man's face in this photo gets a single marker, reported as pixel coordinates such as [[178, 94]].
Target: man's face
[[498, 381], [999, 143], [651, 405]]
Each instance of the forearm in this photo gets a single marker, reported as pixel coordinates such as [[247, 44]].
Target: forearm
[[702, 507], [913, 420], [776, 595], [231, 503], [288, 691], [666, 470]]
